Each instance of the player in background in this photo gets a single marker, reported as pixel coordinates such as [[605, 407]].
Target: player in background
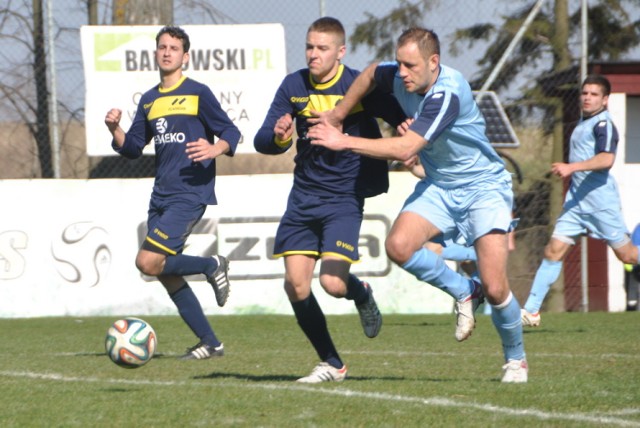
[[181, 117], [325, 206], [592, 203], [467, 190]]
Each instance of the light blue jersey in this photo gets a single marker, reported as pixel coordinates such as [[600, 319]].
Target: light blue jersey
[[467, 190], [593, 190], [447, 116], [592, 203]]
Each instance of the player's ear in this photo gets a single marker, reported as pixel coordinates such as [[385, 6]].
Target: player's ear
[[185, 58], [434, 62]]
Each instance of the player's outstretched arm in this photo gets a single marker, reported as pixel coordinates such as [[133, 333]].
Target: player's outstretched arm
[[401, 148], [112, 120]]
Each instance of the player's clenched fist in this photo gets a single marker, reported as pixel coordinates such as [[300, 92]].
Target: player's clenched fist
[[112, 120], [284, 127]]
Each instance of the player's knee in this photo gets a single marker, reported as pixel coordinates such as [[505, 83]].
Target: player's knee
[[333, 285], [147, 266], [627, 257], [551, 253], [397, 250], [296, 293]]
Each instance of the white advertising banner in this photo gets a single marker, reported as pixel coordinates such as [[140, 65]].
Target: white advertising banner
[[242, 64], [70, 251]]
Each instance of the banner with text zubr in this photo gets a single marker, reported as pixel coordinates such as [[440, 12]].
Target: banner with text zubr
[[242, 64], [71, 251]]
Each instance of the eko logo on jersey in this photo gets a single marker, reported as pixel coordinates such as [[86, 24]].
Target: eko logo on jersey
[[161, 125], [165, 137]]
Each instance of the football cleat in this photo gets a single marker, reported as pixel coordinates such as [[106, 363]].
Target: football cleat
[[370, 317], [202, 351], [220, 280], [529, 319], [465, 309], [325, 372], [515, 371]]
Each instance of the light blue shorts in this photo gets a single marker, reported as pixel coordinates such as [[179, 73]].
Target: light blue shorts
[[606, 224], [464, 213]]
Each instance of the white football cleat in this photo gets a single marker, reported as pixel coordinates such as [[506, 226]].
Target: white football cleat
[[465, 309], [515, 371], [529, 319], [325, 372]]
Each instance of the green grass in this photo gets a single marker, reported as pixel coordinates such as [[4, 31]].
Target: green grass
[[584, 371]]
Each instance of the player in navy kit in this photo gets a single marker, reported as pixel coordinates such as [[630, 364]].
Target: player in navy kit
[[325, 206], [466, 192], [181, 117], [592, 203]]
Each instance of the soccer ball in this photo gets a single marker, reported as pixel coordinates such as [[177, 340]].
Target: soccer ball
[[130, 342]]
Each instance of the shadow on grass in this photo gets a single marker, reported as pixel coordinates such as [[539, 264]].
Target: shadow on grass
[[416, 324], [287, 378]]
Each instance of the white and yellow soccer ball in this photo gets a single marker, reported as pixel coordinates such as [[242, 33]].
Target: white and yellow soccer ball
[[130, 342]]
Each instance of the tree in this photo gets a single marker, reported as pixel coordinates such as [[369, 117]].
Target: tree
[[143, 12]]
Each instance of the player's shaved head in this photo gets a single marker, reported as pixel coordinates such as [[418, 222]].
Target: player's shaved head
[[328, 24]]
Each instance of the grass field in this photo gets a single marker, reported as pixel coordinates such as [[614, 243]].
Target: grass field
[[584, 371]]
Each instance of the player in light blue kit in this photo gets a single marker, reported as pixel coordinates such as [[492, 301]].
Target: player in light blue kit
[[592, 204], [467, 190]]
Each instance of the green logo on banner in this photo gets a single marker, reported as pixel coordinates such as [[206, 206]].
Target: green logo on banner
[[108, 49]]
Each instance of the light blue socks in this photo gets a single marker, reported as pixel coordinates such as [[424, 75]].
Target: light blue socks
[[506, 319], [547, 274], [429, 267]]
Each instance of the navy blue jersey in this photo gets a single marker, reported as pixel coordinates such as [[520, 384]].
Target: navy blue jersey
[[320, 171], [172, 117]]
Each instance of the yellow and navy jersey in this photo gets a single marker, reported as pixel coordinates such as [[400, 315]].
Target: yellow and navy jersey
[[320, 171], [172, 117]]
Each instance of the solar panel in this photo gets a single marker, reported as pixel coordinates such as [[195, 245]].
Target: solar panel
[[499, 129]]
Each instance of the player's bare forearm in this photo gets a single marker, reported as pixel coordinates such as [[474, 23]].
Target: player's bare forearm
[[393, 148], [598, 162]]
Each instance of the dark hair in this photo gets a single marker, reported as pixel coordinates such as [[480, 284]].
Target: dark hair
[[427, 40], [327, 24], [176, 33], [600, 80]]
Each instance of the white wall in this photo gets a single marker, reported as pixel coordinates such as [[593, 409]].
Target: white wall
[[67, 247], [627, 175]]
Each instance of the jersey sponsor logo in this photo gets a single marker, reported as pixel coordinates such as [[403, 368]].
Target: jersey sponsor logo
[[170, 138], [161, 125], [299, 99], [165, 137], [173, 105]]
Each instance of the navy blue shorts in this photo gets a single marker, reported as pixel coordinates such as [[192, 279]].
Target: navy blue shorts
[[169, 223], [320, 226]]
